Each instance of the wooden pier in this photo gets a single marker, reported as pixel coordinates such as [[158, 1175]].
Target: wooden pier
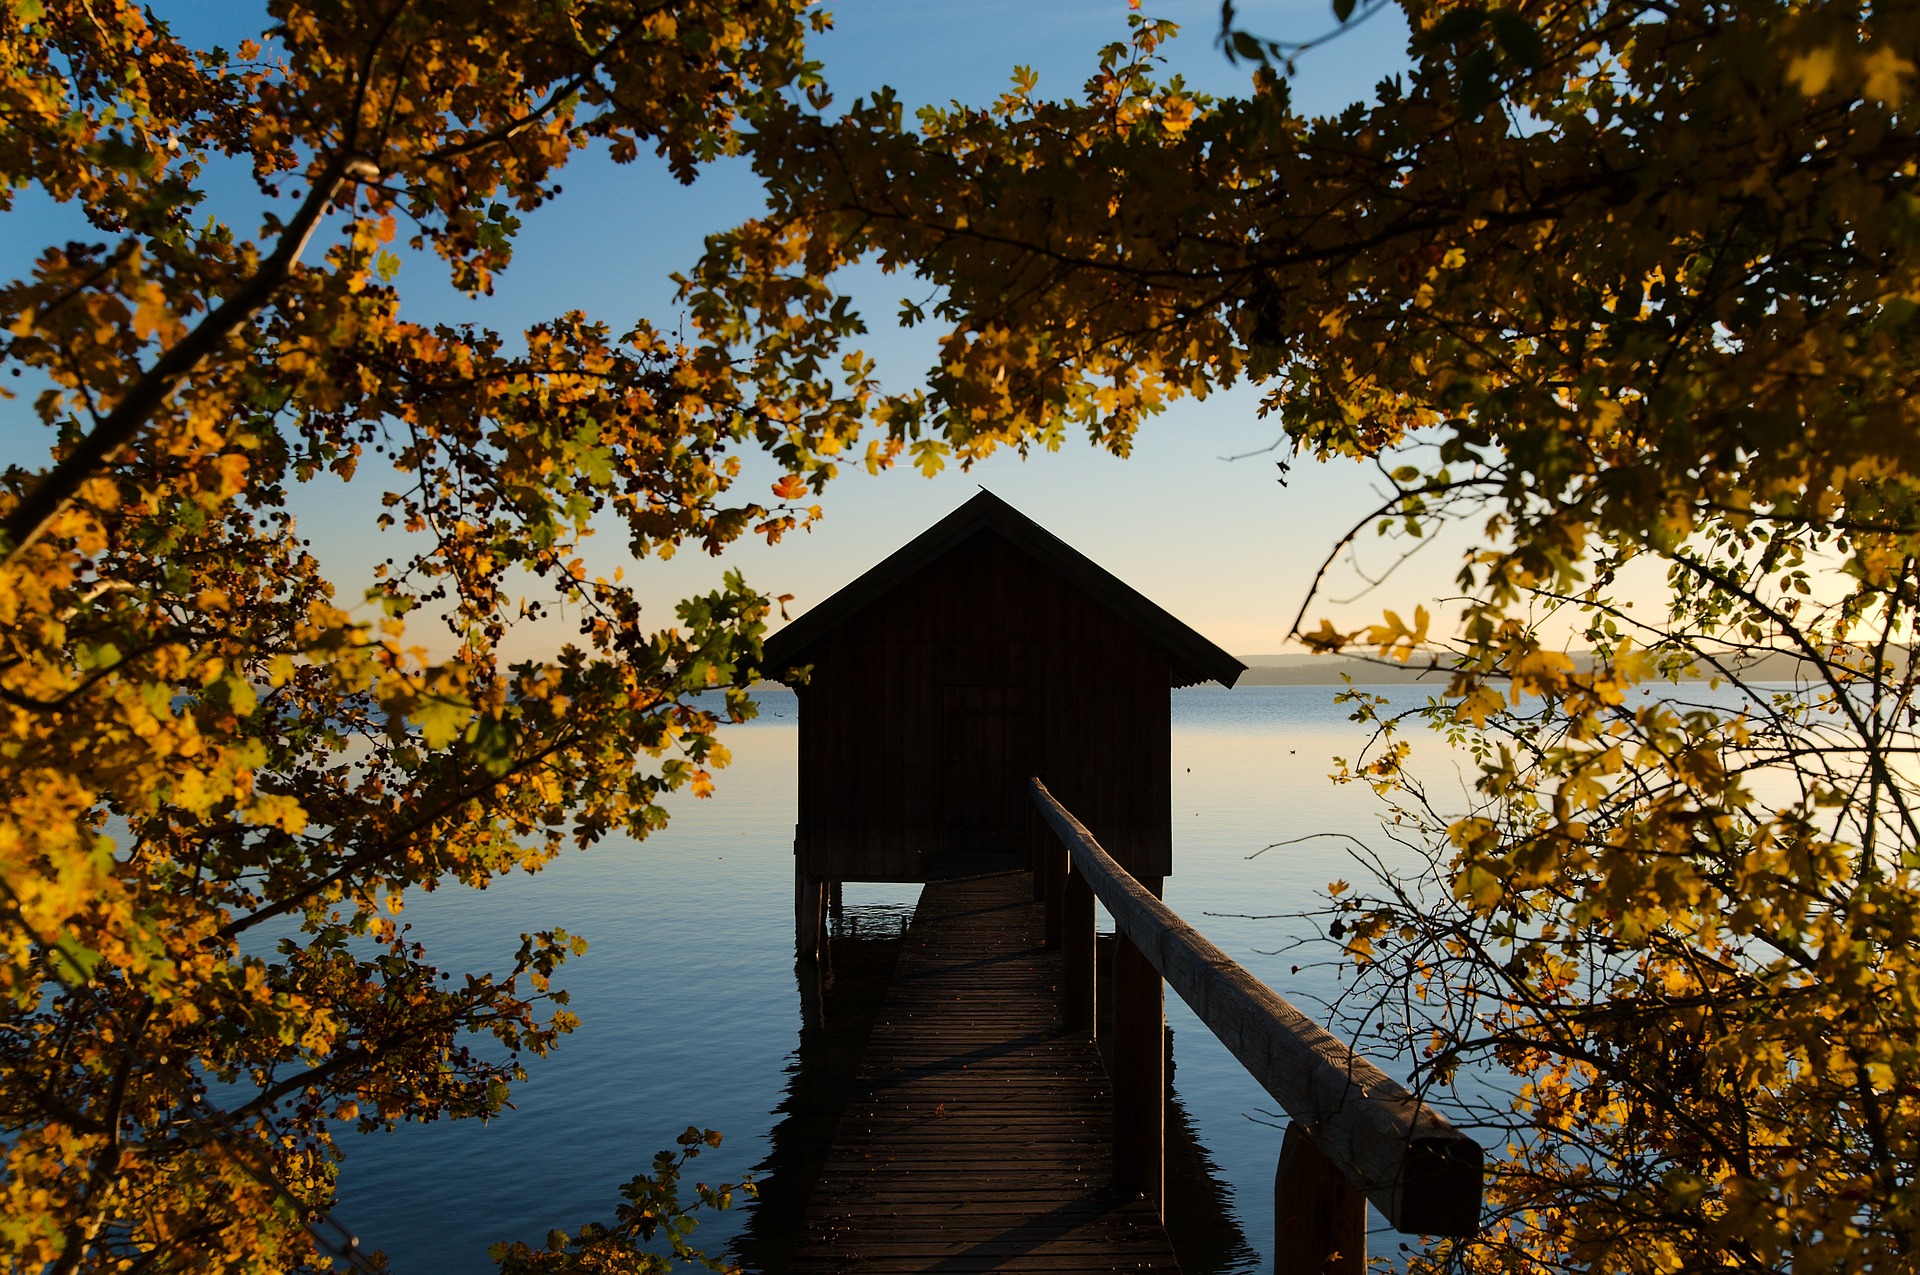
[[984, 1133], [980, 1132]]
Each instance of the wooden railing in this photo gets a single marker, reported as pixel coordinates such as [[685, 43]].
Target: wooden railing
[[1356, 1133]]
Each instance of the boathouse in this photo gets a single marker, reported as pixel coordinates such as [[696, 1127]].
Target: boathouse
[[985, 651]]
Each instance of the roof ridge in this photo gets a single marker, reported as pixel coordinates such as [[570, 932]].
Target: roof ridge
[[1192, 653]]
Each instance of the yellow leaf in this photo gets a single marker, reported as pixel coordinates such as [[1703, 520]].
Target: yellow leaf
[[1886, 75], [233, 472], [1483, 887], [152, 317], [1814, 70], [277, 811], [1326, 638]]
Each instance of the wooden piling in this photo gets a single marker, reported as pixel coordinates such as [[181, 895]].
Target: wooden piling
[[1077, 950], [809, 914], [1139, 1074], [1055, 894], [1319, 1217]]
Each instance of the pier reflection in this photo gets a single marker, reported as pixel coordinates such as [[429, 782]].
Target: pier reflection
[[839, 1000]]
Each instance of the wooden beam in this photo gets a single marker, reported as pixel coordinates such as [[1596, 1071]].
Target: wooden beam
[[1420, 1172], [1319, 1218]]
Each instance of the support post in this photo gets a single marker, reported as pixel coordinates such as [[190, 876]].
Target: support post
[[1056, 862], [813, 994], [809, 914], [1076, 945], [1320, 1218], [1040, 846], [1139, 1072]]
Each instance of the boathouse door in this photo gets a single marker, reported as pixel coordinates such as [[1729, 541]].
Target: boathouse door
[[985, 736]]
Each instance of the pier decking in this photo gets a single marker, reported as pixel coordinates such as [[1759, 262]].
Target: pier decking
[[979, 1134]]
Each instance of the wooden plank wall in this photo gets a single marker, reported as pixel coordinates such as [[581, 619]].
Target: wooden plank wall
[[928, 710]]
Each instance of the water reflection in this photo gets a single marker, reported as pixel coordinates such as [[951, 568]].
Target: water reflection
[[840, 999]]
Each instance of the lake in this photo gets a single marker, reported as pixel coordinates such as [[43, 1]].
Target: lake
[[691, 1012]]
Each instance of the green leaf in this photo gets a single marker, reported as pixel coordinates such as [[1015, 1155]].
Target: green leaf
[[490, 737], [1478, 88], [1459, 23], [73, 961], [595, 464], [101, 655], [1518, 38], [236, 694], [441, 718]]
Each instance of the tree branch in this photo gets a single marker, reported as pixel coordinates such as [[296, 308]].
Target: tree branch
[[45, 499]]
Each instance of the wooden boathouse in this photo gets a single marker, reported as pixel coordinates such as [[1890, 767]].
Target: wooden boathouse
[[983, 652], [989, 711]]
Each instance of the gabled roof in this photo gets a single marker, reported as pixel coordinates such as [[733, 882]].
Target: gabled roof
[[1195, 659]]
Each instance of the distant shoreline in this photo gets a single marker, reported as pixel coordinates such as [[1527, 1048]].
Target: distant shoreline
[[1778, 668], [1330, 670]]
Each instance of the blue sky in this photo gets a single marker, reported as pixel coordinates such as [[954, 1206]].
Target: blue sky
[[1218, 542]]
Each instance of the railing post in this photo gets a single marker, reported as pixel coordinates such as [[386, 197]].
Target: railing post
[[1320, 1218], [1139, 1072], [1077, 945], [1040, 844], [1056, 861]]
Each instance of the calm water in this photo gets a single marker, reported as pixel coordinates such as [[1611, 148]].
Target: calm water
[[691, 1012]]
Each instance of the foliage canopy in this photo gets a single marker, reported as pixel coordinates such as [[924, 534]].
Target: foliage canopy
[[1612, 282], [1619, 286], [220, 778]]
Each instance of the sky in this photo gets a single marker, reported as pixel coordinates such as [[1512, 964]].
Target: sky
[[1219, 542]]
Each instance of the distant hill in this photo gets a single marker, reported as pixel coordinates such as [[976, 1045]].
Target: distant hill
[[1327, 670]]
